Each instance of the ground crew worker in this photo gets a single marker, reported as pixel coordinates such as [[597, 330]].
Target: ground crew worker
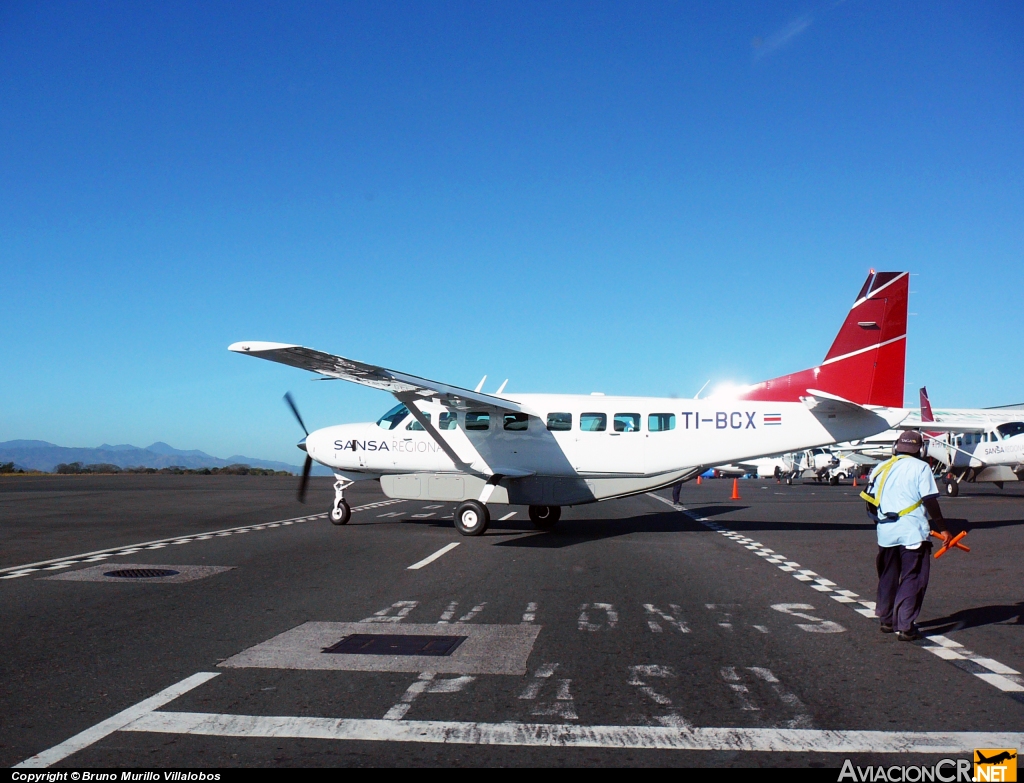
[[903, 499]]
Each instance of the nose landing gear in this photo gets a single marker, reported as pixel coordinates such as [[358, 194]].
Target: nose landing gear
[[341, 513]]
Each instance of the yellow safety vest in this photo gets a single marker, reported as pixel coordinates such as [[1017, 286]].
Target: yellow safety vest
[[876, 499]]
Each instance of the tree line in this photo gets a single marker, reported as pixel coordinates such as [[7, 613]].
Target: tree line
[[77, 468]]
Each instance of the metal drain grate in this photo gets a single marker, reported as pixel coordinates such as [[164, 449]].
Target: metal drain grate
[[141, 573], [396, 644]]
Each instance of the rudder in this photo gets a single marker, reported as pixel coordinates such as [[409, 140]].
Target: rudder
[[867, 361]]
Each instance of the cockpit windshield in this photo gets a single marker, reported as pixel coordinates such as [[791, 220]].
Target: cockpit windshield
[[393, 417], [1009, 430]]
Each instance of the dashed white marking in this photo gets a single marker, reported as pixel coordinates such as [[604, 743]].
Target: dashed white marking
[[531, 612], [473, 612], [431, 558], [116, 722], [994, 673], [423, 516]]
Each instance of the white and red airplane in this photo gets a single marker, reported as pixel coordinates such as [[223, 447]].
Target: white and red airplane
[[443, 442], [975, 444]]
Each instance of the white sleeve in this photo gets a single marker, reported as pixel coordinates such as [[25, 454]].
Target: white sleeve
[[926, 481]]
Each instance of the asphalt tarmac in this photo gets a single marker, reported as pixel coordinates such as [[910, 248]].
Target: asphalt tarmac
[[725, 633]]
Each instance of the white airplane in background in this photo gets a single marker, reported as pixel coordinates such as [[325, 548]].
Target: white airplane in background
[[880, 446], [443, 442], [971, 444]]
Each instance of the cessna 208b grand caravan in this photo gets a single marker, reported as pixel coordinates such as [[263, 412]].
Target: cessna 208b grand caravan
[[545, 451]]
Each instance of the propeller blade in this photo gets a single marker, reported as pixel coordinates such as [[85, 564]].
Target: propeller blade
[[295, 410], [304, 481]]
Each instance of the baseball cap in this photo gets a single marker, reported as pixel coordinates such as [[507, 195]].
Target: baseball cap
[[909, 442]]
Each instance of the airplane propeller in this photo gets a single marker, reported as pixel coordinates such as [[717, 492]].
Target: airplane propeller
[[308, 466]]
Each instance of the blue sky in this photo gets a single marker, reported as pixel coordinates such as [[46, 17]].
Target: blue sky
[[631, 198]]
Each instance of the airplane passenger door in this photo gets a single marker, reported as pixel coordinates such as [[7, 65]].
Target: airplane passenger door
[[615, 449]]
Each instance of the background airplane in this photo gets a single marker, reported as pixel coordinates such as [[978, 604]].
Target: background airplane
[[447, 443]]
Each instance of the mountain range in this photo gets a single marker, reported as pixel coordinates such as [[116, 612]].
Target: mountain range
[[40, 455]]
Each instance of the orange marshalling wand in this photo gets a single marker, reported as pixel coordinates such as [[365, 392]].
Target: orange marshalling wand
[[955, 542]]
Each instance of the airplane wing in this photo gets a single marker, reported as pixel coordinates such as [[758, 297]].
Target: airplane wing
[[944, 426], [400, 384]]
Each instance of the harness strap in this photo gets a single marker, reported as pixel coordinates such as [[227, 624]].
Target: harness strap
[[883, 474]]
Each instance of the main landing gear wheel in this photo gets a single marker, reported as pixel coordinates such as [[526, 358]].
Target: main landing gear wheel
[[545, 517], [789, 480], [472, 518], [833, 481], [952, 488], [341, 513]]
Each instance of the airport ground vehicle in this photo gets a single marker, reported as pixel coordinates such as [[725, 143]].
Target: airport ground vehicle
[[546, 451]]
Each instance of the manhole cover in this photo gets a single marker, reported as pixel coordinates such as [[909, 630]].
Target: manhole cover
[[141, 573], [395, 644]]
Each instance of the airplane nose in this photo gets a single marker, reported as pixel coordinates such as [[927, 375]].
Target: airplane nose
[[302, 444]]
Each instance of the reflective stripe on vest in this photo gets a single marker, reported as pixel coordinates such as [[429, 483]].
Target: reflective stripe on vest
[[883, 474]]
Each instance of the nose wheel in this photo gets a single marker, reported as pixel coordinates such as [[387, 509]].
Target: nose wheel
[[341, 513]]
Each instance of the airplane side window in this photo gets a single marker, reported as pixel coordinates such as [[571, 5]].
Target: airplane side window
[[393, 417], [593, 422], [447, 421], [516, 422], [559, 422], [661, 422], [415, 425], [626, 422], [478, 421]]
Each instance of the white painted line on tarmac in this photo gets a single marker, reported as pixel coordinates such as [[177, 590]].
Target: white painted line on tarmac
[[115, 722], [557, 735], [993, 672], [14, 572], [507, 516], [428, 560]]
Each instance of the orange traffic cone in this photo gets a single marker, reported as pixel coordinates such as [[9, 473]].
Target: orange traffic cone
[[854, 481], [735, 489], [698, 481]]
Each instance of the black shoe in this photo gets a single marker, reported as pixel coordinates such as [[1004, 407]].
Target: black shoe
[[912, 635], [885, 628]]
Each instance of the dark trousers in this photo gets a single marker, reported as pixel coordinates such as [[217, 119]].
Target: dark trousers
[[902, 581], [675, 491]]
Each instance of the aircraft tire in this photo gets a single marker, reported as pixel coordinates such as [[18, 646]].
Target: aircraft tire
[[833, 481], [789, 480], [545, 517], [952, 488], [342, 514], [472, 518]]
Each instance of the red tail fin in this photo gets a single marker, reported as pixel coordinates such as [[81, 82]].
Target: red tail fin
[[926, 406], [867, 359]]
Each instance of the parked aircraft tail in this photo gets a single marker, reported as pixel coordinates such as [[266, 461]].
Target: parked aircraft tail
[[867, 360], [926, 406]]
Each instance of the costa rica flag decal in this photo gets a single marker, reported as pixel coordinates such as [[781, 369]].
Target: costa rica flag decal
[[772, 418]]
